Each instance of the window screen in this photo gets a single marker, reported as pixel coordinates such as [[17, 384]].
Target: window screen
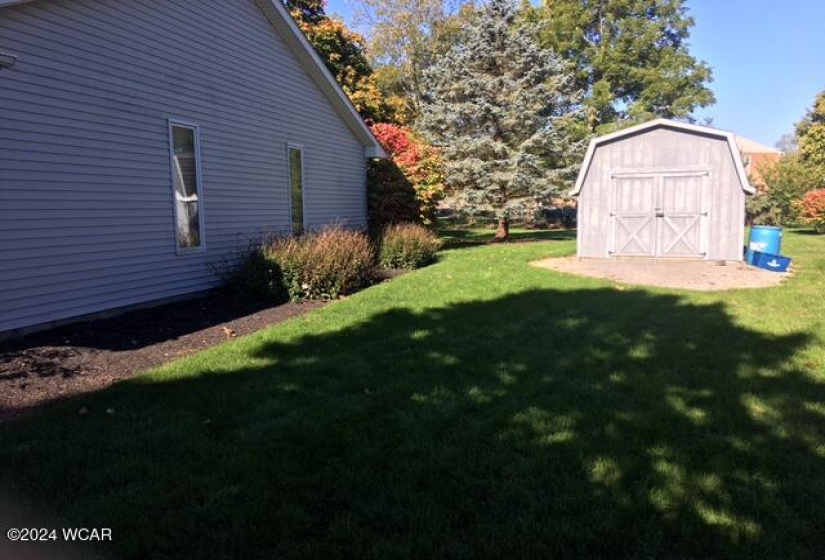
[[186, 185], [296, 189]]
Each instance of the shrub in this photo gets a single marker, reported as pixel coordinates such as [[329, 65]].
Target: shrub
[[408, 246], [325, 264], [783, 184], [253, 276], [762, 210], [812, 209], [391, 196]]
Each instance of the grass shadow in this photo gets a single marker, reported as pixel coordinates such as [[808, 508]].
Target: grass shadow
[[541, 425], [462, 238], [810, 231]]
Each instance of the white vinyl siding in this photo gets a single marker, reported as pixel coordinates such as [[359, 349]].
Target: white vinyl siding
[[87, 221]]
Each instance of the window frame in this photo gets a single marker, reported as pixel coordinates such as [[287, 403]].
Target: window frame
[[180, 123], [289, 147]]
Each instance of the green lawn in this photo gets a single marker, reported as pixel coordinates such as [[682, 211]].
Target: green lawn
[[479, 408], [468, 237]]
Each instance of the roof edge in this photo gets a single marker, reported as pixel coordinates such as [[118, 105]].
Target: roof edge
[[729, 137], [281, 19]]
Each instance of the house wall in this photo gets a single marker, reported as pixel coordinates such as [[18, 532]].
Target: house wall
[[661, 150], [86, 207]]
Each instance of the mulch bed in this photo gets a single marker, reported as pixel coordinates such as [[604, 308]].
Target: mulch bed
[[76, 359]]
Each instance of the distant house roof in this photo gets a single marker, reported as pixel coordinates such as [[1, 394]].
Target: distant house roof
[[729, 137], [278, 15], [750, 147]]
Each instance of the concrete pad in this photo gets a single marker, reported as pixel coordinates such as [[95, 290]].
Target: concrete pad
[[684, 274]]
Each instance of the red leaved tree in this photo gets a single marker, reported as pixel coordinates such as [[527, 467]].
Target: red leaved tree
[[812, 209], [407, 186]]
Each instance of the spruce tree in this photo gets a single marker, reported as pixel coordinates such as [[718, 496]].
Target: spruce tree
[[506, 114]]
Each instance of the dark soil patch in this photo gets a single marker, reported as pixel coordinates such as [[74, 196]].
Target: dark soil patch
[[76, 359]]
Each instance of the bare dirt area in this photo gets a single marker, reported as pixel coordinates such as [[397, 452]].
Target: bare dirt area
[[80, 358], [696, 275]]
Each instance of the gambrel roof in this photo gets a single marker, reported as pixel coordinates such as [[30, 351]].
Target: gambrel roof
[[729, 137]]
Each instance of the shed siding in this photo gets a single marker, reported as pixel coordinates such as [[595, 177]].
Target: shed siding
[[86, 213], [662, 150]]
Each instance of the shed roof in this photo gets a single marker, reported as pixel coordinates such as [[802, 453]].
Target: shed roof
[[280, 19], [729, 137]]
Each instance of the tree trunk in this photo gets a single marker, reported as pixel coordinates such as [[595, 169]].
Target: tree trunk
[[503, 233]]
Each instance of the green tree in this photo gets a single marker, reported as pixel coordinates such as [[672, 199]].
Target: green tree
[[405, 38], [631, 56], [801, 171], [785, 183], [810, 134], [504, 112]]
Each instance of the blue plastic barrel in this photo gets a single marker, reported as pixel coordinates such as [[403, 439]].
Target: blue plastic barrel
[[764, 239]]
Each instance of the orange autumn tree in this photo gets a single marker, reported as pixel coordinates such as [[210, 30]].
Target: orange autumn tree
[[812, 209], [343, 53], [407, 186]]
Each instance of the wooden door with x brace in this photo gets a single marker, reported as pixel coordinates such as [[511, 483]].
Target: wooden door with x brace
[[659, 214]]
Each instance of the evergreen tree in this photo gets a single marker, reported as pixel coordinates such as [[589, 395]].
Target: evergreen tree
[[631, 58], [504, 112]]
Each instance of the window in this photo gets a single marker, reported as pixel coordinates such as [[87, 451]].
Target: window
[[185, 151], [296, 188]]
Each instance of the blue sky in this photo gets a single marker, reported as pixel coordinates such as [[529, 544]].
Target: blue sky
[[767, 60]]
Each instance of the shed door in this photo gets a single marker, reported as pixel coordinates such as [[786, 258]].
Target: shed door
[[680, 216], [658, 215], [634, 226]]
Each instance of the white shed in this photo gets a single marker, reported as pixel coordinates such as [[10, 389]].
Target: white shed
[[662, 189]]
